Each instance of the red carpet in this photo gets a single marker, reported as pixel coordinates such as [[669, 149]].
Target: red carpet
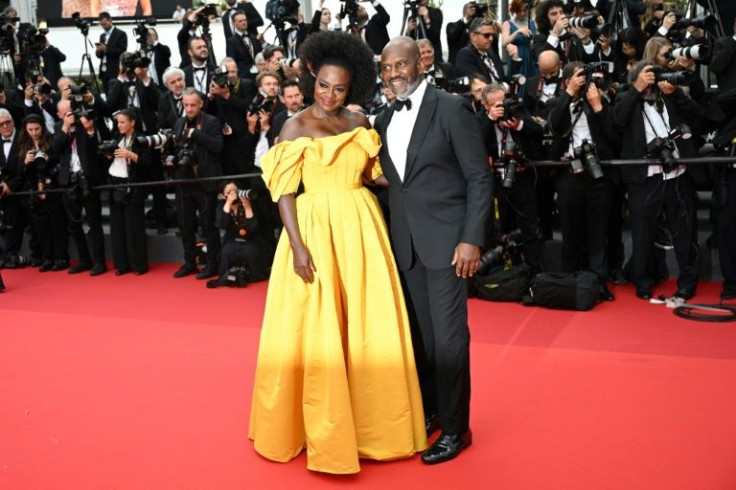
[[145, 382]]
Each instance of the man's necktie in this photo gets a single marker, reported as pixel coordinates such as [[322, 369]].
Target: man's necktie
[[201, 68], [400, 104]]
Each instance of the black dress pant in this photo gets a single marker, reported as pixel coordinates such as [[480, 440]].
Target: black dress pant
[[75, 203], [519, 204], [585, 208], [190, 203], [616, 256], [727, 233], [253, 254], [17, 219], [49, 220], [128, 235], [438, 311], [676, 199]]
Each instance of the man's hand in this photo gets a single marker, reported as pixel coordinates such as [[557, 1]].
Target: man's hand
[[265, 118], [512, 123], [88, 124], [561, 24], [142, 73], [28, 92], [466, 259], [645, 79], [594, 97], [252, 119], [218, 91], [669, 20], [68, 122], [497, 111], [575, 82], [666, 88]]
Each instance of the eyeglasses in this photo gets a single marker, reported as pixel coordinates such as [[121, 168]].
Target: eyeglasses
[[486, 35], [6, 123]]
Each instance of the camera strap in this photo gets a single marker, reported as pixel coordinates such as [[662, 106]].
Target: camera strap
[[578, 114]]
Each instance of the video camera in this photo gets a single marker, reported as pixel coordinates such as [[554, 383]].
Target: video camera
[[33, 39], [586, 156], [411, 7], [82, 24], [481, 9], [141, 31]]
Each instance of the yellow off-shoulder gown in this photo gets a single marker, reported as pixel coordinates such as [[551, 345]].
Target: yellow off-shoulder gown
[[335, 370]]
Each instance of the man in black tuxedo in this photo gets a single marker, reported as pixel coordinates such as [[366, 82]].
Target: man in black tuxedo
[[51, 58], [427, 25], [439, 200], [243, 47], [292, 98], [160, 56], [458, 33], [723, 64], [478, 56], [254, 18], [113, 43], [204, 133], [647, 111], [81, 167], [133, 87], [435, 72], [199, 73], [373, 30]]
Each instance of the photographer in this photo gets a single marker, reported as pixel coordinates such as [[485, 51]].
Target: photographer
[[230, 97], [292, 98], [723, 62], [291, 37], [425, 22], [552, 29], [583, 122], [81, 167], [458, 33], [201, 138], [650, 117], [435, 72], [478, 57], [160, 56], [243, 47], [245, 246], [228, 17], [198, 73], [47, 210], [38, 99], [658, 51], [170, 103], [133, 87], [507, 136], [113, 43], [50, 58], [262, 110], [373, 30]]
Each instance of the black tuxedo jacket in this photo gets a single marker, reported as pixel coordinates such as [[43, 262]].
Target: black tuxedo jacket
[[208, 146], [532, 93], [723, 63], [458, 36], [148, 96], [628, 114], [540, 44], [13, 167], [52, 59], [445, 196], [238, 147], [251, 13], [443, 73], [167, 111], [302, 31], [530, 132], [117, 44], [93, 165], [189, 76], [469, 62], [182, 39], [161, 61], [376, 30], [236, 49]]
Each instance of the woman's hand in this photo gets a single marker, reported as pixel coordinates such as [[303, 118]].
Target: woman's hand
[[303, 264], [30, 156]]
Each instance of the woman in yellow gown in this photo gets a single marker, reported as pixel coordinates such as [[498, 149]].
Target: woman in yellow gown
[[335, 372]]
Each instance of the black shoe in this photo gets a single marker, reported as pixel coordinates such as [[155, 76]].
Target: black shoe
[[82, 266], [140, 272], [684, 294], [11, 262], [447, 447], [35, 261], [605, 294], [185, 270], [120, 272], [60, 265], [644, 293], [97, 269], [215, 283], [208, 272], [617, 277], [46, 266], [431, 424]]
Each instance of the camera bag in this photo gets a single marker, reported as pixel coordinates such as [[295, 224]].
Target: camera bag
[[566, 291], [501, 285]]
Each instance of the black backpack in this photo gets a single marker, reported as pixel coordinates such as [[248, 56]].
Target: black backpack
[[566, 291], [501, 285]]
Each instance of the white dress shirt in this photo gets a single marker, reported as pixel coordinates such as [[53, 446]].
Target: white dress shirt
[[399, 130], [654, 126]]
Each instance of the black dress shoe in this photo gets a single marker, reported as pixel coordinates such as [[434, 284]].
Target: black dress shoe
[[431, 424], [80, 267], [140, 272], [684, 294], [46, 266], [208, 272], [617, 276], [605, 294], [185, 270], [35, 261], [447, 447], [215, 283], [60, 265], [644, 293], [98, 269], [120, 272]]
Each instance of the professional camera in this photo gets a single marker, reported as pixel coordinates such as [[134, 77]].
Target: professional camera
[[662, 149], [43, 88], [506, 252], [141, 31], [481, 9], [80, 185], [350, 9], [675, 77], [586, 22], [586, 157], [164, 138], [287, 12], [33, 39], [249, 194], [220, 77], [184, 157], [131, 61], [412, 9], [107, 148], [459, 85], [237, 277], [260, 103], [76, 95], [210, 10], [512, 155], [40, 159], [698, 52], [82, 24], [707, 22]]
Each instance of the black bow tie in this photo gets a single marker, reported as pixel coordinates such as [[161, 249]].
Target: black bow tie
[[400, 104], [7, 141], [549, 82], [201, 68]]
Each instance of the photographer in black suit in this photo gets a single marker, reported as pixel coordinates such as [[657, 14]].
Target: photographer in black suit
[[478, 56], [292, 98], [426, 25], [233, 7], [646, 115], [458, 33], [160, 56], [170, 103], [435, 72], [582, 121], [200, 135], [373, 30], [508, 137], [75, 140], [439, 198], [243, 47], [198, 73], [51, 58], [135, 88], [113, 43]]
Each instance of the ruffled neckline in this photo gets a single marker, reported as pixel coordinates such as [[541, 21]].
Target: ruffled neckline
[[328, 146]]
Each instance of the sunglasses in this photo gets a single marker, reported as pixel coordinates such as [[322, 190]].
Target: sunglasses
[[486, 35]]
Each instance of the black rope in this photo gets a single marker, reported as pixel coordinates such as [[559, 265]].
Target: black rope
[[711, 313]]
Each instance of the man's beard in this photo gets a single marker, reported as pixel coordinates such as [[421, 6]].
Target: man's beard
[[410, 88]]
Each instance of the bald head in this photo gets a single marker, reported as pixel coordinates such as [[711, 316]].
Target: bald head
[[402, 43], [549, 64], [401, 66]]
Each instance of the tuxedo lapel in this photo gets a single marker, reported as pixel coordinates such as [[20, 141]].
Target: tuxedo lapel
[[386, 163], [424, 119]]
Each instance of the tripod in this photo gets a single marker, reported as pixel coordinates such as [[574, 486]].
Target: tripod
[[411, 14], [710, 7], [7, 69], [618, 17], [88, 58]]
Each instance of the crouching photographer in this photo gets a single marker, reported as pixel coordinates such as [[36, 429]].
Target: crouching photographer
[[507, 130], [246, 253], [651, 116], [583, 125], [75, 140]]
